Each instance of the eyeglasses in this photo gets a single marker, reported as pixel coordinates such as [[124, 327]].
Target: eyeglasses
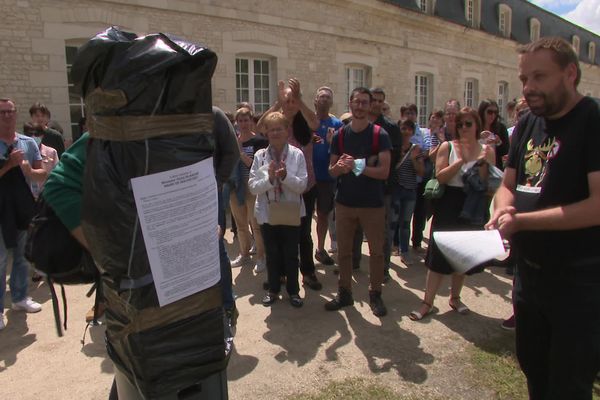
[[491, 112], [466, 124], [362, 103], [7, 113]]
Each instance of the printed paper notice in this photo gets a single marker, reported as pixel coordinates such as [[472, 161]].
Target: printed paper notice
[[467, 249], [178, 215]]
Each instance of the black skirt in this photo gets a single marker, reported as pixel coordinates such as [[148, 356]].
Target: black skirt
[[445, 218]]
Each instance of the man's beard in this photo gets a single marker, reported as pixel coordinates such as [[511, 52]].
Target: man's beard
[[550, 104]]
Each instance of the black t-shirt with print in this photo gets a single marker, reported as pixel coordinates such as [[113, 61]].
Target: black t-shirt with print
[[359, 191], [552, 159]]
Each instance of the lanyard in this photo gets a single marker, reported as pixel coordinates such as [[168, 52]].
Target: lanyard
[[277, 186]]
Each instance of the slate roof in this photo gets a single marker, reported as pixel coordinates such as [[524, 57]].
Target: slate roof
[[522, 11]]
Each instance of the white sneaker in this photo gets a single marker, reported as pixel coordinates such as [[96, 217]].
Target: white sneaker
[[260, 266], [241, 260], [27, 305], [2, 324]]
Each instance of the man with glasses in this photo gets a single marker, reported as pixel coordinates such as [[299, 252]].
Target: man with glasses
[[360, 160], [20, 163]]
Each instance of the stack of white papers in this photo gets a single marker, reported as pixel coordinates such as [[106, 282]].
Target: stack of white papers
[[467, 249]]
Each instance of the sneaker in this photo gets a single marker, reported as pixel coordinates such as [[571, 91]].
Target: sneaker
[[241, 260], [342, 299], [27, 305], [376, 303], [269, 299], [2, 324], [260, 266], [324, 258], [509, 324], [252, 249], [312, 282], [296, 301]]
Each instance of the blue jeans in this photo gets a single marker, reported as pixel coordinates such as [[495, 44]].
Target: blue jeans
[[403, 205], [20, 270]]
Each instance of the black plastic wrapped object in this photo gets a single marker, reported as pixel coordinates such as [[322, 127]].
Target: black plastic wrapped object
[[158, 73], [149, 109]]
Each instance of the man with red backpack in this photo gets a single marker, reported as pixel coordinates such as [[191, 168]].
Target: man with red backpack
[[360, 160]]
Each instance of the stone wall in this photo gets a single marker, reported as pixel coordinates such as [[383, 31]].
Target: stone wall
[[310, 40]]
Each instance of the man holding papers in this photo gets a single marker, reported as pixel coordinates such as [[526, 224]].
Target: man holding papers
[[549, 205]]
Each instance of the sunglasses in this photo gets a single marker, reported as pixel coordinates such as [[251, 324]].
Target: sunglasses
[[491, 112], [467, 124]]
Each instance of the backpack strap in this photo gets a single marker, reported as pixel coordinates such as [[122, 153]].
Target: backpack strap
[[375, 142], [341, 139]]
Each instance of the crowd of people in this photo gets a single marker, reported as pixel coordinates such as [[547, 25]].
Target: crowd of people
[[363, 177]]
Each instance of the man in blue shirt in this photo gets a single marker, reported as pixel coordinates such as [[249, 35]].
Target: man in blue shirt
[[328, 124], [21, 163]]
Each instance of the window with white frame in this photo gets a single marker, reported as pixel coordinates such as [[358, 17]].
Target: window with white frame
[[253, 78], [469, 10], [504, 20], [471, 95], [534, 29], [357, 75], [427, 6], [502, 98], [423, 96], [575, 43], [472, 11], [592, 52], [76, 104]]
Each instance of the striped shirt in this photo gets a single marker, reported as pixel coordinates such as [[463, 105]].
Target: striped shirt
[[407, 176]]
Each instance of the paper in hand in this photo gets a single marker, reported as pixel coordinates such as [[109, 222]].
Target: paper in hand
[[467, 249]]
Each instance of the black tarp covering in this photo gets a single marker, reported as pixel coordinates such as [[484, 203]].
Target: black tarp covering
[[125, 77]]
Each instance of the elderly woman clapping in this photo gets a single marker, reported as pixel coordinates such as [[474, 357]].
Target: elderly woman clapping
[[278, 177]]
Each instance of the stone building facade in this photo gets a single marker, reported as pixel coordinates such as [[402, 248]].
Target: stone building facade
[[418, 51]]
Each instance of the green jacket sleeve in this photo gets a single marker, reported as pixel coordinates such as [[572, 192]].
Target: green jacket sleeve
[[64, 188]]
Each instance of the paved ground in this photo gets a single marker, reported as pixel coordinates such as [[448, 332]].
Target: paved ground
[[280, 350]]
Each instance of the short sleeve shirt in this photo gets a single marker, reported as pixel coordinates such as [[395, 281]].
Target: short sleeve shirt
[[321, 150], [31, 151], [552, 159], [28, 145], [359, 191]]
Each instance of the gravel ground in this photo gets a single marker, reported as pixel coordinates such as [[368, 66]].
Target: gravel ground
[[280, 351]]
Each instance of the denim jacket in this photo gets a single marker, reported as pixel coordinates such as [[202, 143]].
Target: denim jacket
[[474, 207]]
